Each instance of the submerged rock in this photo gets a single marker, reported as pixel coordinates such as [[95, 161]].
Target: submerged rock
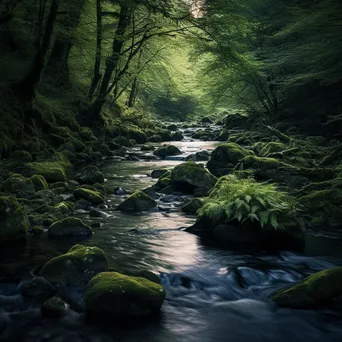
[[70, 227], [167, 150], [76, 267], [315, 291], [138, 201], [112, 293], [54, 307], [14, 222], [188, 176]]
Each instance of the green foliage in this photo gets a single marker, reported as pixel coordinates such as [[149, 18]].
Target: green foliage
[[239, 199]]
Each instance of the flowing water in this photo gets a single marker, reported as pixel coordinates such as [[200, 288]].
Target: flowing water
[[212, 294]]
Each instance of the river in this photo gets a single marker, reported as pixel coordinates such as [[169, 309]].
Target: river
[[213, 295]]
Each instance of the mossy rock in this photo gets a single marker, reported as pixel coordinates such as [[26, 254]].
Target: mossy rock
[[14, 222], [206, 119], [51, 171], [90, 175], [18, 184], [112, 293], [91, 196], [225, 157], [188, 176], [192, 206], [163, 182], [202, 156], [318, 290], [236, 121], [134, 132], [167, 150], [70, 227], [203, 135], [69, 155], [20, 157], [87, 134], [272, 147], [78, 144], [62, 160], [155, 138], [38, 288], [138, 201], [123, 141], [54, 307], [223, 135], [39, 182], [172, 127], [177, 136], [76, 267]]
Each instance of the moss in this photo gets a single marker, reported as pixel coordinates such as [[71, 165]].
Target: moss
[[78, 144], [117, 294], [90, 175], [54, 307], [317, 290], [14, 223], [69, 155], [68, 227], [155, 138], [123, 141], [100, 187], [272, 147], [87, 134], [134, 132], [51, 171], [59, 185], [192, 206], [167, 150], [138, 201], [76, 267], [91, 196], [62, 160], [18, 184], [20, 157], [163, 182], [203, 135], [225, 157], [187, 176], [253, 162], [39, 182]]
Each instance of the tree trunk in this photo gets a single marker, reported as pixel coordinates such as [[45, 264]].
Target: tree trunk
[[112, 61], [26, 87], [97, 75], [134, 89]]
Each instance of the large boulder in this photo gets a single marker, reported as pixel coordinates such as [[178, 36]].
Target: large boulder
[[138, 201], [167, 150], [225, 157], [70, 227], [14, 223], [51, 171], [92, 196], [76, 267], [315, 291], [177, 136], [90, 175], [188, 176], [237, 120], [112, 293]]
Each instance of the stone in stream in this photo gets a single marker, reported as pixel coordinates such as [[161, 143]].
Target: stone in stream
[[138, 201], [54, 307], [158, 173], [14, 222], [76, 267], [98, 213], [119, 191], [172, 127], [167, 150], [177, 136], [188, 176], [92, 196], [70, 227], [318, 290], [38, 288], [90, 175], [155, 138], [171, 198], [115, 294], [82, 204]]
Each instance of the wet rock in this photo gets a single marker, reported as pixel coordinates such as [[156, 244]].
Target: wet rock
[[147, 148], [177, 136], [76, 267], [98, 213], [171, 198], [90, 175], [51, 171], [202, 156], [155, 138], [70, 227], [203, 135], [318, 290], [206, 119], [119, 191], [172, 127], [92, 196], [158, 173], [138, 201], [112, 293], [14, 222], [188, 176], [82, 204], [38, 288], [225, 157], [223, 135], [167, 150], [54, 307], [237, 120], [39, 182], [151, 192], [192, 206]]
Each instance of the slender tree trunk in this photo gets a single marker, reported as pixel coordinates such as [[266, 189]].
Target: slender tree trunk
[[26, 87], [97, 75], [134, 89], [112, 61]]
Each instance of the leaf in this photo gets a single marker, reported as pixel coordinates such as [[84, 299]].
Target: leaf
[[248, 198], [274, 220], [261, 201], [263, 215], [254, 208], [238, 203]]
